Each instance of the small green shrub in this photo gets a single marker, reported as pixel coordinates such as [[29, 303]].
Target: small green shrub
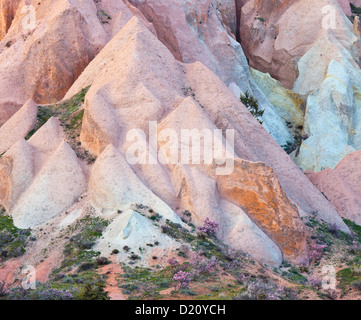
[[252, 105], [78, 251], [354, 9], [92, 292], [12, 239]]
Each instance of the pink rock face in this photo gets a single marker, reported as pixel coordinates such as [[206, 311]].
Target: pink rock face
[[203, 31], [50, 55], [342, 186], [258, 34], [134, 73], [7, 12], [41, 61], [18, 126], [345, 5], [176, 63], [276, 34]]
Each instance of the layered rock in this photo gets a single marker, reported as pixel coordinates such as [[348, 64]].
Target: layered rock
[[133, 230], [54, 189]]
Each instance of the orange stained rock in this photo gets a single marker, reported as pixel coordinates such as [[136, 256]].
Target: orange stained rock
[[255, 188]]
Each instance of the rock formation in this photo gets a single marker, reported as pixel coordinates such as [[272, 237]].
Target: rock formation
[[159, 78]]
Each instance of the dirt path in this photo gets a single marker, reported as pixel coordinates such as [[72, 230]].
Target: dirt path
[[112, 271]]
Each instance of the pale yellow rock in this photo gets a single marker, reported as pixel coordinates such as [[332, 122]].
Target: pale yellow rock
[[289, 105]]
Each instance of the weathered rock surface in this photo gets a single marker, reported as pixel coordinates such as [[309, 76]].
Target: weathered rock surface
[[114, 186], [275, 35], [7, 12], [318, 56], [254, 187], [332, 120], [289, 105], [40, 178], [204, 31], [135, 231], [49, 56], [244, 234], [54, 189], [16, 173], [342, 186], [18, 126], [160, 70], [135, 71]]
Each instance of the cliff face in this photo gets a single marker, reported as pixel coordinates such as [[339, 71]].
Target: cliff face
[[99, 101]]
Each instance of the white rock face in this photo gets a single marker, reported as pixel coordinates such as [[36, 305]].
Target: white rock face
[[114, 186], [70, 218], [330, 77], [55, 188], [332, 116], [135, 231]]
